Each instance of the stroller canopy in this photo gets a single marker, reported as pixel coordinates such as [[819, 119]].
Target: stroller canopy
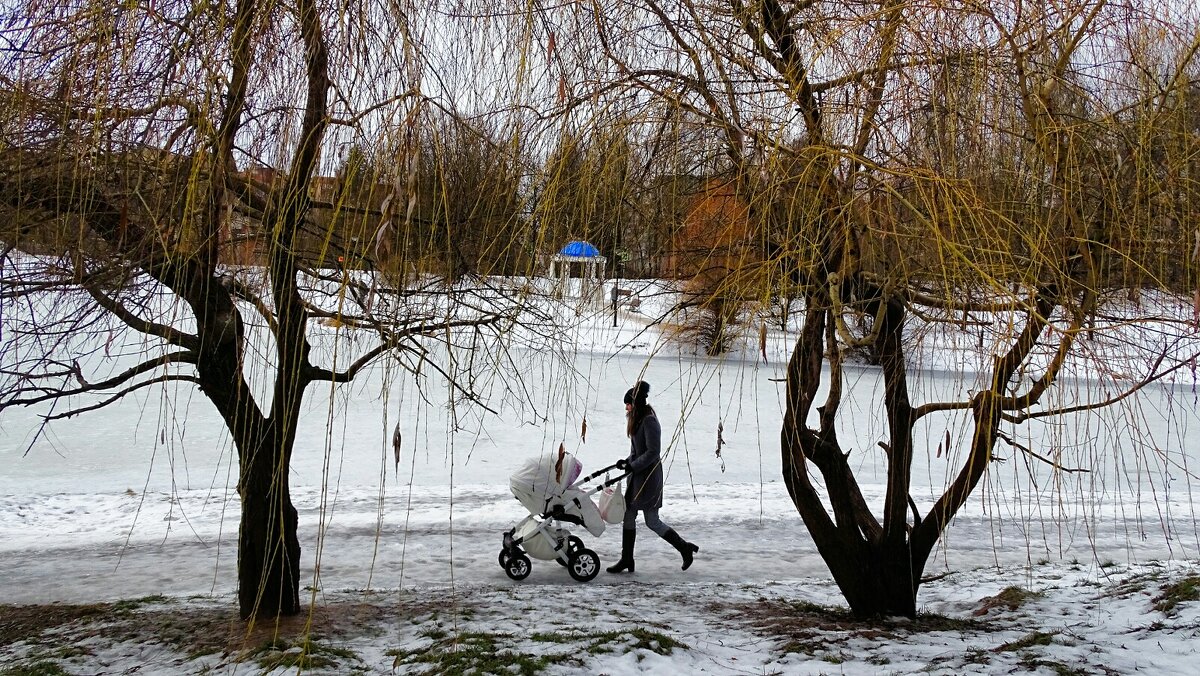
[[545, 482], [544, 478]]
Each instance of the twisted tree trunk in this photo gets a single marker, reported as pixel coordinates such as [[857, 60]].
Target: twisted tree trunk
[[268, 544]]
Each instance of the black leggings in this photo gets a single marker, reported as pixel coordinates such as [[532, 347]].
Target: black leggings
[[651, 518]]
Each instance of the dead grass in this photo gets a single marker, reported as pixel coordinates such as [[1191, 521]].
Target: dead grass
[[1010, 598], [1183, 591], [27, 623], [821, 631], [197, 630], [1037, 638]]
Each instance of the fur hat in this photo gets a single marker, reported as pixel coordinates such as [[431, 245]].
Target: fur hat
[[638, 393]]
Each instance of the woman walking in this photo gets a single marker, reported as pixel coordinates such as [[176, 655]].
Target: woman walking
[[644, 489]]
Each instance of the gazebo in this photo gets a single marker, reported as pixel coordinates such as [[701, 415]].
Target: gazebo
[[591, 263]]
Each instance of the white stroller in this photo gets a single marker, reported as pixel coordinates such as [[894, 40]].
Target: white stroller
[[547, 487]]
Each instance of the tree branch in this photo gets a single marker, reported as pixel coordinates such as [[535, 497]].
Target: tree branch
[[1028, 451], [316, 373], [167, 333], [182, 357], [168, 377], [241, 290], [1152, 378]]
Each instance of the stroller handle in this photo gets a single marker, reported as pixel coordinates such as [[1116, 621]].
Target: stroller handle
[[618, 479], [603, 470]]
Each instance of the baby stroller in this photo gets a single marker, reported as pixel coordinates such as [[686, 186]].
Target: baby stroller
[[547, 487]]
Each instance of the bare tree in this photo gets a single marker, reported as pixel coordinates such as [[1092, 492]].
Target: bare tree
[[138, 144], [942, 161]]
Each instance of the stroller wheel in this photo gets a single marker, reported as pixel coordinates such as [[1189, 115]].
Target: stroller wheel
[[583, 565], [517, 567], [574, 545], [504, 556]]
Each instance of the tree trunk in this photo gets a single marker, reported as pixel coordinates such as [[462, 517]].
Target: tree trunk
[[877, 581], [268, 544], [269, 548]]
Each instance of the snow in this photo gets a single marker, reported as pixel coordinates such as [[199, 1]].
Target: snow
[[138, 501]]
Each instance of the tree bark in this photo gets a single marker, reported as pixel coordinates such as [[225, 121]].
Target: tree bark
[[877, 580], [268, 543]]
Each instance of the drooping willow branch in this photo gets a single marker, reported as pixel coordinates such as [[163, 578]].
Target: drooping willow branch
[[150, 328]]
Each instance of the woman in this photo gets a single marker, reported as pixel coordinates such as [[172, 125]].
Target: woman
[[643, 492]]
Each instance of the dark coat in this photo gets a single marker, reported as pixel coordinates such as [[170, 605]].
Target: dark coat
[[645, 487]]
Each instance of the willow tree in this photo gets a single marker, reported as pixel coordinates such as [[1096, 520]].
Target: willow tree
[[585, 188], [1023, 222], [137, 153], [470, 183]]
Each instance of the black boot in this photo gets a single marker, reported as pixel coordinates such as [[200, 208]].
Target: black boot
[[626, 562], [686, 549]]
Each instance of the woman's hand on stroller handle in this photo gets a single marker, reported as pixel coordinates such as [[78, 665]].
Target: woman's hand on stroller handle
[[622, 467]]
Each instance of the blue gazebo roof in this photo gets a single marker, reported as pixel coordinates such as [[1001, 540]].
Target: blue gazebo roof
[[581, 250]]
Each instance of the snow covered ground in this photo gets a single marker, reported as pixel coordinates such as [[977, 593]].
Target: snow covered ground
[[1042, 571]]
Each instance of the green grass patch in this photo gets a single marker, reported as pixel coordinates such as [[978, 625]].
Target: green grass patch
[[976, 656], [1187, 589], [633, 639], [472, 653], [1136, 584], [202, 651], [927, 622], [556, 637], [803, 647], [434, 634], [492, 653], [611, 641], [307, 654], [836, 613], [69, 651]]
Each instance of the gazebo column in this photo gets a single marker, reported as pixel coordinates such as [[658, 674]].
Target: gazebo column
[[591, 273]]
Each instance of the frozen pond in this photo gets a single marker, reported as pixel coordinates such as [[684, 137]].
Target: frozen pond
[[139, 498]]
